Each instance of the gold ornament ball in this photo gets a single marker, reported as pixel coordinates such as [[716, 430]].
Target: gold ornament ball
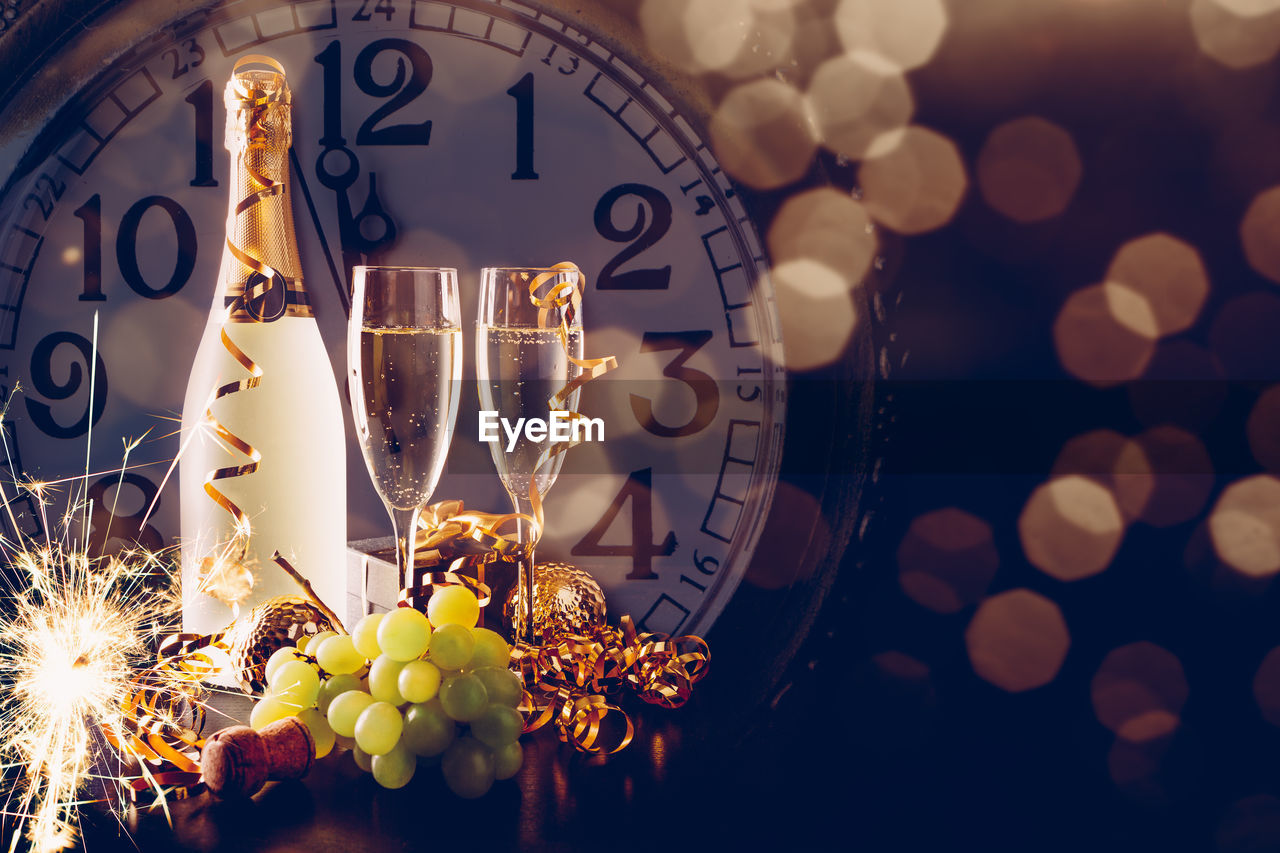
[[273, 624], [566, 600]]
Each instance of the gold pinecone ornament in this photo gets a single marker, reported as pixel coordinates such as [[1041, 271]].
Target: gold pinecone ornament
[[275, 623], [566, 600]]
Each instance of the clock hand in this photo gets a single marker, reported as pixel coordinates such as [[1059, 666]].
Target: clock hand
[[373, 210], [343, 297], [356, 245], [340, 182]]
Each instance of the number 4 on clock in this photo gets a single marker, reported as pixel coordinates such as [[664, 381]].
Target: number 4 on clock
[[642, 550]]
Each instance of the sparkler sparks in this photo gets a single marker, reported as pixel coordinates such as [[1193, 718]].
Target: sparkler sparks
[[78, 667], [81, 631]]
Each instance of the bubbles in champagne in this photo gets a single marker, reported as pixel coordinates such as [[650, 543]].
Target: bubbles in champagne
[[519, 369], [405, 405]]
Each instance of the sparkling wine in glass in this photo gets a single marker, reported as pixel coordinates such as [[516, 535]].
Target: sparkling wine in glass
[[521, 363], [404, 354]]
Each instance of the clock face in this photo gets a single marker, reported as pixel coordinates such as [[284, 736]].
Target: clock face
[[462, 134]]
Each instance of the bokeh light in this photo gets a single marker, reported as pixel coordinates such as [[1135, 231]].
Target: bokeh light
[[1266, 687], [777, 563], [856, 99], [1236, 41], [905, 32], [1169, 273], [1242, 337], [1105, 334], [1114, 461], [917, 185], [1250, 825], [1184, 475], [1134, 767], [1260, 233], [1249, 8], [1138, 692], [1182, 385], [716, 30], [762, 134], [663, 24], [826, 226], [1263, 429], [1029, 169], [1017, 640], [770, 41], [947, 559], [816, 311], [1245, 526], [1070, 528]]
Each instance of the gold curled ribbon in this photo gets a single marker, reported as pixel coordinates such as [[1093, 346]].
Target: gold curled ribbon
[[262, 279], [161, 720], [568, 679], [562, 298], [448, 535]]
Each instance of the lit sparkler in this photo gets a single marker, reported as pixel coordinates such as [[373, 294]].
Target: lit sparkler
[[81, 631], [78, 637]]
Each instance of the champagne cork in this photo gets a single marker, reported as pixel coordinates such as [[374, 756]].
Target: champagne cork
[[237, 761]]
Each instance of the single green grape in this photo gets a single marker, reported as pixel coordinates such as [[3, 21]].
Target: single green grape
[[453, 605], [378, 728], [503, 686], [490, 650], [419, 681], [497, 726], [315, 641], [279, 656], [394, 769], [428, 730], [404, 634], [334, 686], [384, 680], [365, 636], [468, 768], [452, 646], [463, 697], [363, 759], [295, 682], [321, 731], [338, 656], [345, 709], [268, 710], [507, 760]]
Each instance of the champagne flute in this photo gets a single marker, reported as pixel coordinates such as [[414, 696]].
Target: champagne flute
[[404, 355], [520, 363]]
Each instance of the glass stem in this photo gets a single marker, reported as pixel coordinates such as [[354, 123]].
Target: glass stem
[[404, 523], [524, 571]]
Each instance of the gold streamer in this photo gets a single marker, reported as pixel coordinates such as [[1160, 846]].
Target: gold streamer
[[446, 535], [262, 279], [564, 297], [568, 679], [161, 720]]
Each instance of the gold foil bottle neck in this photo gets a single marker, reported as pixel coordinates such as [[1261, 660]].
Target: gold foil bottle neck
[[259, 114]]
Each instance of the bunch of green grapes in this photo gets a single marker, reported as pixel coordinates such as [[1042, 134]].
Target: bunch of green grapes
[[405, 686]]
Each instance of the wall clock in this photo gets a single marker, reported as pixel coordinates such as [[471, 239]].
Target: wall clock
[[464, 133]]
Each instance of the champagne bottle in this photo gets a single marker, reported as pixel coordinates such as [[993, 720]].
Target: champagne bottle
[[236, 514]]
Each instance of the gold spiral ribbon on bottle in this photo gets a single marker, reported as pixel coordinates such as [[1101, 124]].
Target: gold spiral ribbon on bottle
[[263, 279]]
